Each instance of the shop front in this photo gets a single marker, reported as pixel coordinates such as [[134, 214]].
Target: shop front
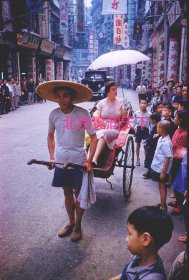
[[28, 46], [177, 44], [45, 61], [58, 62]]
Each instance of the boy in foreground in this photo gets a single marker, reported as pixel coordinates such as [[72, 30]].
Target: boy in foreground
[[149, 228]]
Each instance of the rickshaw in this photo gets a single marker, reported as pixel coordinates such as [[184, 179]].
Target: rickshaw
[[121, 156]]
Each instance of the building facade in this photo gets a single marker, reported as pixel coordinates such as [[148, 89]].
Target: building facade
[[34, 39]]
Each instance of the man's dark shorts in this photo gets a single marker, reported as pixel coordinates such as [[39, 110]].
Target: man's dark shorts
[[67, 178], [142, 133], [156, 176]]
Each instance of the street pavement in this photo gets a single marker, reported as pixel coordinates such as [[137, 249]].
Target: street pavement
[[31, 211]]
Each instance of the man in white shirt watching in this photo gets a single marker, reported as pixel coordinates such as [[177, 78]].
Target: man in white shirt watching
[[141, 90]]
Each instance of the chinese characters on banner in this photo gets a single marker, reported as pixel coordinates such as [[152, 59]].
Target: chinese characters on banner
[[125, 36], [132, 73], [183, 57], [80, 15], [161, 65], [71, 29], [59, 70], [114, 7], [91, 42], [6, 15], [44, 20], [95, 48], [118, 29], [49, 67], [63, 16], [173, 59], [31, 68]]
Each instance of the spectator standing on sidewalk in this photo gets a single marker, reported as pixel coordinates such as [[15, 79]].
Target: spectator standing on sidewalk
[[151, 143], [141, 90], [167, 114], [162, 161], [17, 93], [141, 125], [30, 90], [179, 141], [6, 93], [11, 93], [167, 93]]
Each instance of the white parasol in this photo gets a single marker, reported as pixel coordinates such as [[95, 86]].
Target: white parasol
[[116, 58]]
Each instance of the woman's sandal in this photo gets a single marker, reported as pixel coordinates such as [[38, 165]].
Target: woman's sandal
[[183, 239], [172, 195], [172, 204]]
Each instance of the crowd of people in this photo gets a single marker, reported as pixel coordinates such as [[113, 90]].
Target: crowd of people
[[162, 130], [164, 136], [14, 93]]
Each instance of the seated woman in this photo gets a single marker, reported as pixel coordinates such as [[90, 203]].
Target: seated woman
[[106, 120]]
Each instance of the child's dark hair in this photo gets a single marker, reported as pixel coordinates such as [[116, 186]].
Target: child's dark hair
[[183, 116], [184, 104], [156, 117], [153, 220], [156, 91], [143, 99], [169, 107], [159, 103], [108, 85]]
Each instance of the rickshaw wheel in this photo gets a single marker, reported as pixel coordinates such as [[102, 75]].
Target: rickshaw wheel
[[128, 167]]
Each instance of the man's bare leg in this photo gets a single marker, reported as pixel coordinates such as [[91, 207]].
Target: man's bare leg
[[70, 204], [79, 211], [70, 208], [137, 151]]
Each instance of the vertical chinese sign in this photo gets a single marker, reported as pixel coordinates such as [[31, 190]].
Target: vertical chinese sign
[[172, 60], [31, 67], [49, 67], [44, 20], [95, 48], [161, 65], [118, 29], [63, 16], [71, 24], [59, 70], [125, 43], [80, 15], [91, 44]]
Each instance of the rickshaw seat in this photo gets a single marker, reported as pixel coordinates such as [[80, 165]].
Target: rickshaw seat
[[106, 163]]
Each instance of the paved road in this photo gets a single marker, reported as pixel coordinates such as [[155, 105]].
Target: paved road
[[31, 211]]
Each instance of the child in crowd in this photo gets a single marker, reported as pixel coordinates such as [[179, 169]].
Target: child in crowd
[[184, 92], [155, 99], [183, 105], [178, 95], [175, 106], [149, 229], [159, 107], [141, 125], [179, 141], [151, 143], [167, 113], [162, 161]]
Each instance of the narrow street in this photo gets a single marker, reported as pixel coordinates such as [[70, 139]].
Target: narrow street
[[31, 211]]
